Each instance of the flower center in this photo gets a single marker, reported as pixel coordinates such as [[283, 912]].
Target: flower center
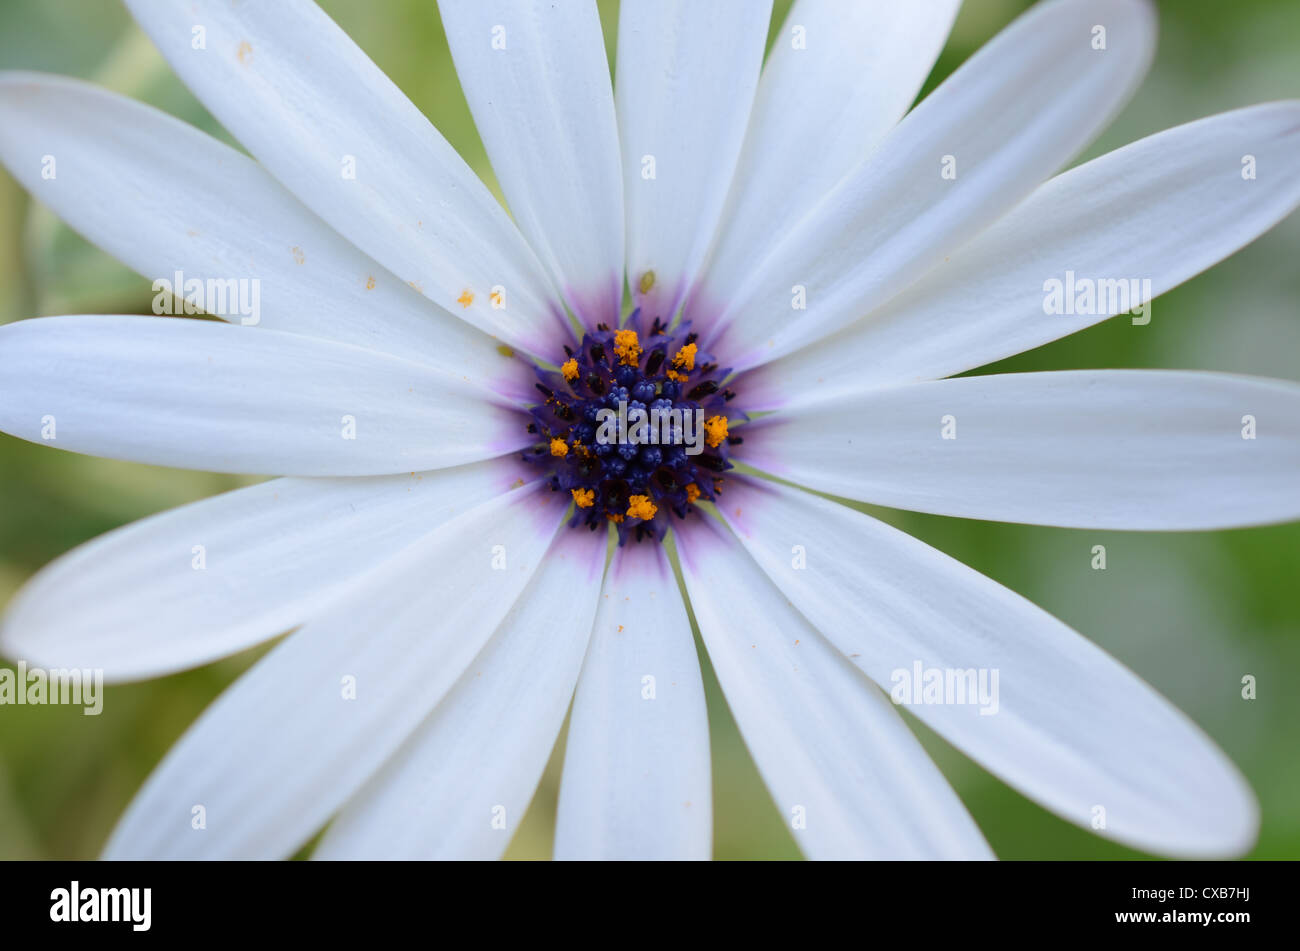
[[634, 427]]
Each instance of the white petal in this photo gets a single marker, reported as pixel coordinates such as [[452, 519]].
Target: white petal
[[183, 202], [1073, 728], [1115, 449], [460, 785], [208, 579], [846, 773], [839, 78], [537, 81], [1007, 119], [686, 75], [323, 119], [288, 743], [1160, 210], [636, 779], [205, 395]]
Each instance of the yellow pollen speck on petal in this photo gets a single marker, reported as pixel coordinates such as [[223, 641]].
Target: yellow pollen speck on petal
[[584, 498], [559, 448], [370, 283], [244, 51], [298, 256], [496, 297], [686, 356], [674, 375], [628, 346], [640, 506], [692, 492], [506, 351], [466, 298], [570, 369], [715, 430], [647, 281]]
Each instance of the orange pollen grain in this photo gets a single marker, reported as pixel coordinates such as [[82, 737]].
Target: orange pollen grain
[[584, 498], [466, 298], [686, 356], [640, 506], [715, 430], [569, 368], [559, 448], [628, 347], [692, 492]]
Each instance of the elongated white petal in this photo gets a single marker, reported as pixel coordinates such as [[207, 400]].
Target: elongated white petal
[[459, 786], [839, 78], [186, 208], [1012, 115], [208, 579], [1131, 224], [537, 81], [1066, 724], [686, 75], [846, 773], [1117, 449], [205, 395], [324, 120], [636, 779], [296, 736]]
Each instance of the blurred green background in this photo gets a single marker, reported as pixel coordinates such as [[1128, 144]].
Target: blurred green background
[[1191, 613]]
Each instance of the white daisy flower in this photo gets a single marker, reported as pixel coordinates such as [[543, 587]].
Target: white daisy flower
[[807, 265]]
